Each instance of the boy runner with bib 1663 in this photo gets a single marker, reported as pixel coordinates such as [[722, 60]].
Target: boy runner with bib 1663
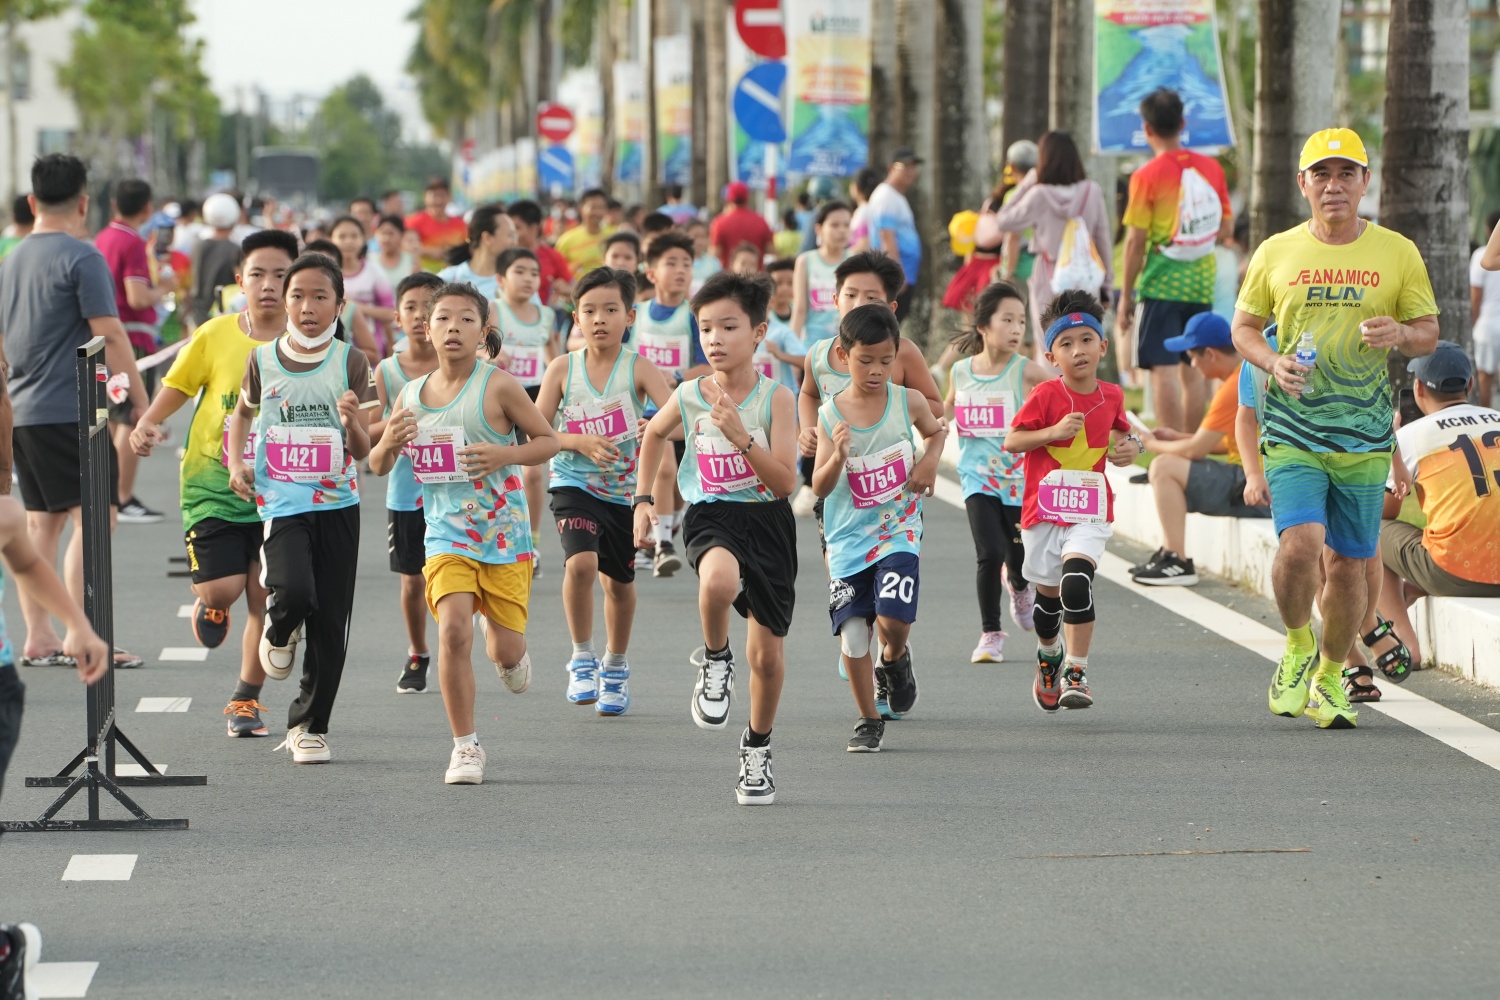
[[1067, 428], [873, 488], [595, 398], [740, 464], [460, 425]]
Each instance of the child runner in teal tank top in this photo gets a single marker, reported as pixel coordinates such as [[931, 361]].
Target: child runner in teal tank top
[[738, 467], [595, 399], [815, 310], [406, 529], [460, 424], [309, 396], [984, 392], [872, 518]]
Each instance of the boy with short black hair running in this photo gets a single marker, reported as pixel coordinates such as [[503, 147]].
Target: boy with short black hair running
[[873, 486], [1066, 429], [594, 480], [405, 528], [307, 396], [740, 464], [479, 539], [985, 388], [223, 531]]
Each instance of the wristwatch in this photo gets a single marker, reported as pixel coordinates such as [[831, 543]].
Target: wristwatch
[[1139, 444], [641, 498]]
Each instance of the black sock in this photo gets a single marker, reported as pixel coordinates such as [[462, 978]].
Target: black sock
[[719, 654], [754, 739], [246, 692]]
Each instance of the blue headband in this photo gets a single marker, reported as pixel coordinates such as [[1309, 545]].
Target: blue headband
[[1067, 323]]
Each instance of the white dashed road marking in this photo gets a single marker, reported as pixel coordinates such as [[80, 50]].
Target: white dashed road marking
[[184, 611], [163, 704], [183, 654], [62, 979], [100, 868]]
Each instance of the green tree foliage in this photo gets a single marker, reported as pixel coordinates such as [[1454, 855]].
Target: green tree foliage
[[356, 135]]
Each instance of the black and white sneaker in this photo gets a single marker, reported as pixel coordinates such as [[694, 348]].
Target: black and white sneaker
[[867, 736], [713, 690], [1171, 570], [1151, 560], [755, 786], [20, 951], [132, 511], [900, 685], [413, 678], [667, 561]]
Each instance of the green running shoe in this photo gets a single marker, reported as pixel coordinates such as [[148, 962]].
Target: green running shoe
[[1289, 685], [1329, 706]]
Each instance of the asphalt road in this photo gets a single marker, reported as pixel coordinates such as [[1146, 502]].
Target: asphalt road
[[989, 851]]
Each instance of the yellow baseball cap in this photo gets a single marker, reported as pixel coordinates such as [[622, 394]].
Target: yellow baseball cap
[[1333, 144]]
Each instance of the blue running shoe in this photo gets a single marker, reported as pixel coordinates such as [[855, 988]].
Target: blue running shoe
[[583, 681], [614, 691]]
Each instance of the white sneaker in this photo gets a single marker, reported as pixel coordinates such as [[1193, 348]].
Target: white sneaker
[[1023, 606], [278, 661], [518, 678], [803, 501], [465, 765], [991, 648], [306, 747], [26, 951]]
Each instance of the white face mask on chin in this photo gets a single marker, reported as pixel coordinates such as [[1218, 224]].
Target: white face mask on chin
[[306, 343]]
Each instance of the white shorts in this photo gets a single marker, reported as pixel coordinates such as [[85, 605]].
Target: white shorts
[[1046, 544], [1487, 354]]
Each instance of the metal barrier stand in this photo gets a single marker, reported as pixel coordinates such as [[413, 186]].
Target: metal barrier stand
[[97, 758]]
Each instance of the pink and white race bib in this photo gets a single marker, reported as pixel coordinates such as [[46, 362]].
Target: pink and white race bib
[[525, 363], [879, 478], [765, 364], [248, 456], [721, 467], [434, 455], [303, 454], [982, 414], [609, 418], [666, 355], [1071, 496]]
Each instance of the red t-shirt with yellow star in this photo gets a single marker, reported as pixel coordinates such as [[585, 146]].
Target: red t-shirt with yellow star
[[1103, 411]]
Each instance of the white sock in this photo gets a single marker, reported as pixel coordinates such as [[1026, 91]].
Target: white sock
[[583, 650], [664, 527], [613, 660], [1055, 648], [1081, 662], [459, 741]]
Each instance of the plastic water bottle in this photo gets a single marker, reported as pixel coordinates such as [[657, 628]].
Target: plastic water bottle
[[1307, 357]]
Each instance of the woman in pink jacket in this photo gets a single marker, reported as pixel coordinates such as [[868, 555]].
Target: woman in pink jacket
[[1048, 196]]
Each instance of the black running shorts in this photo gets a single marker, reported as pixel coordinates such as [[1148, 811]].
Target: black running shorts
[[588, 524], [763, 538]]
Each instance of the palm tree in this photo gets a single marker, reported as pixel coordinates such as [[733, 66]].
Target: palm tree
[[716, 96], [1028, 34], [1424, 184], [957, 175]]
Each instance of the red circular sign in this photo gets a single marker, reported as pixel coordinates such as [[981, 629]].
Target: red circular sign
[[554, 122], [466, 150], [760, 27]]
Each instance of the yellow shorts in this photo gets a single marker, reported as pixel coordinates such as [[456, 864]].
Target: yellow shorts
[[503, 591]]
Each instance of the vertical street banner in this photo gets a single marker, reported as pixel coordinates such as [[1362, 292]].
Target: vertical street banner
[[747, 156], [828, 49], [674, 109], [579, 91], [630, 121], [1140, 45], [526, 179]]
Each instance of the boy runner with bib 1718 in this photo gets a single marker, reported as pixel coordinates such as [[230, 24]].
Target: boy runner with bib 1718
[[1067, 428]]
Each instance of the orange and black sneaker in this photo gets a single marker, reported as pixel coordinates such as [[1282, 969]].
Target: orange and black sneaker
[[1047, 688], [1074, 688], [244, 718], [210, 625]]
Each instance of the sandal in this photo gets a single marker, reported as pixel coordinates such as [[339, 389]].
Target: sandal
[[1359, 684], [1395, 663], [127, 661], [57, 659]]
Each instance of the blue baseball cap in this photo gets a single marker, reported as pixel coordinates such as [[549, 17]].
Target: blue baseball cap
[[1446, 369], [1206, 329]]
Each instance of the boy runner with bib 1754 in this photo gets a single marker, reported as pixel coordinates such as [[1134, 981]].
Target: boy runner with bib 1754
[[873, 488], [740, 464], [479, 540], [594, 480], [406, 529], [1067, 428]]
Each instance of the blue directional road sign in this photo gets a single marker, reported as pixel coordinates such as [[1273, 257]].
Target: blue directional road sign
[[757, 102], [555, 167]]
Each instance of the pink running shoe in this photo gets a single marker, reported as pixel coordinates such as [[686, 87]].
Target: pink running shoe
[[991, 648], [1022, 606]]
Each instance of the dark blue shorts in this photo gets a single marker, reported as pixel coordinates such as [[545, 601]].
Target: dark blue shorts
[[888, 589], [1157, 320]]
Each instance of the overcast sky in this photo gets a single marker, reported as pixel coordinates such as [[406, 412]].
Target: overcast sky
[[290, 47]]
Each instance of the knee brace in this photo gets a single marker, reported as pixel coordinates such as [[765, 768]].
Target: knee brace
[[854, 638], [1047, 614], [1076, 591]]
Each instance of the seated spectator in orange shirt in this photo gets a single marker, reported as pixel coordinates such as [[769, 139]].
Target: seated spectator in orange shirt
[[1183, 477]]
